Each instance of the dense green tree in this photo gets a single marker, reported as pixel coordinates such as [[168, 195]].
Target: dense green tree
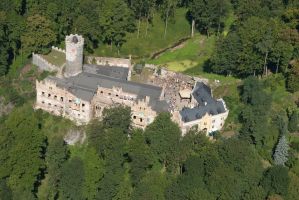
[[143, 9], [293, 189], [21, 152], [93, 173], [117, 117], [5, 191], [151, 187], [4, 48], [226, 171], [163, 137], [209, 15], [72, 179], [56, 155], [140, 156], [168, 9], [39, 34], [255, 115], [293, 122], [276, 180], [254, 47], [111, 12], [83, 26], [292, 77]]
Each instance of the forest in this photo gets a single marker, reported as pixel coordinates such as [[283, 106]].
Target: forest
[[252, 47]]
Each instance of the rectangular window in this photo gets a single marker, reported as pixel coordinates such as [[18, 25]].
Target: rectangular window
[[61, 99], [43, 93], [55, 97]]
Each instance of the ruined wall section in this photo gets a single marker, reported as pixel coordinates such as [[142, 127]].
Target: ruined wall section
[[43, 64], [61, 102], [58, 49], [116, 62]]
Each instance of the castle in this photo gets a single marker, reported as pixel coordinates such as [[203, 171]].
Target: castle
[[81, 91]]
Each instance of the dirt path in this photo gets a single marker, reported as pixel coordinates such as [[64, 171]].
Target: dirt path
[[175, 46]]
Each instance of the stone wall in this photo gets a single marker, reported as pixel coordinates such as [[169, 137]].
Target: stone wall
[[61, 102], [42, 64], [119, 62], [58, 49]]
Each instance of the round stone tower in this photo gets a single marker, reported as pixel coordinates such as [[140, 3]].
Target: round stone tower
[[74, 55]]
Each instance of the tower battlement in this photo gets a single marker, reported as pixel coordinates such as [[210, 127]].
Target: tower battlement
[[74, 45]]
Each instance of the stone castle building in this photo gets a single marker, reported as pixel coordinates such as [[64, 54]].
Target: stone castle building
[[82, 91]]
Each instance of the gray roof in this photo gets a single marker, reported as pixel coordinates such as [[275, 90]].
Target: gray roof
[[203, 95], [84, 86], [107, 70]]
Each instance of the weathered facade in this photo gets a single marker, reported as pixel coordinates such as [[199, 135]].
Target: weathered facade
[[84, 90]]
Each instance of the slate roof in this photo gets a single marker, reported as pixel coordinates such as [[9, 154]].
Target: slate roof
[[206, 104], [84, 86], [107, 70]]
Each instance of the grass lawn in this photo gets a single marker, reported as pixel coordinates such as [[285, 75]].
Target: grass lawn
[[55, 57], [144, 46], [192, 53], [191, 57]]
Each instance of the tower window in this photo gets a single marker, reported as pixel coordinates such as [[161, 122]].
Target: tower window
[[43, 93], [49, 95], [141, 120], [83, 104], [55, 97], [61, 99]]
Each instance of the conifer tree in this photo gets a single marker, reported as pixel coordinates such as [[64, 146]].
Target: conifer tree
[[281, 151]]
